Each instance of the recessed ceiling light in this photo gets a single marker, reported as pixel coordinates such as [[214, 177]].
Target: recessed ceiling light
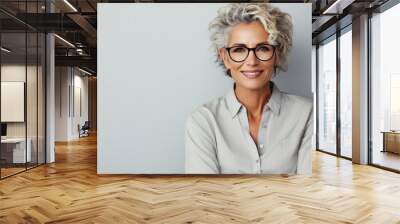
[[70, 5], [5, 50], [338, 6], [84, 71], [64, 40]]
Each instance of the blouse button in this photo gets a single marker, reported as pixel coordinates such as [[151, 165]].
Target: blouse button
[[261, 146]]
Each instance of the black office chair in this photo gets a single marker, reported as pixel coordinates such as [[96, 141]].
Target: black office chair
[[84, 130]]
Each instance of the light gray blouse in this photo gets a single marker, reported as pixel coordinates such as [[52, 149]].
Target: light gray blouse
[[217, 137]]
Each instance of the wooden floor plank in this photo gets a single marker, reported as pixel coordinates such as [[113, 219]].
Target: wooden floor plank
[[70, 191]]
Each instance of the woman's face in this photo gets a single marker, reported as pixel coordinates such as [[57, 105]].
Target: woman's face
[[252, 73]]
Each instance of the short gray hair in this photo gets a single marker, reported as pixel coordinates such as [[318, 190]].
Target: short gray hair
[[277, 23]]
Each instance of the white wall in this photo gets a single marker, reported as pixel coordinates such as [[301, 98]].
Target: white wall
[[79, 117], [144, 97], [61, 103], [67, 117], [314, 90]]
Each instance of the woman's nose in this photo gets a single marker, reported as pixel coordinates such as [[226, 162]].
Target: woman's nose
[[251, 58]]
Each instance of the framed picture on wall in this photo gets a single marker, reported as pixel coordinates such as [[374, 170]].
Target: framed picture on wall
[[12, 101]]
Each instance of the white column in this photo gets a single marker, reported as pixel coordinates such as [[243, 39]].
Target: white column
[[50, 93], [360, 90], [50, 110]]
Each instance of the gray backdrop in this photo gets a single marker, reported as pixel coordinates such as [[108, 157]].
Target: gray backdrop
[[155, 66]]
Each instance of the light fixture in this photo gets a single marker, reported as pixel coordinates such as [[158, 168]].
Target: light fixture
[[84, 71], [337, 7], [70, 5], [5, 50], [79, 51], [329, 9], [64, 40]]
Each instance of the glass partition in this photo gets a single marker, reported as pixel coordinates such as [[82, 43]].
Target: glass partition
[[327, 95], [32, 95], [22, 77], [14, 153], [346, 93], [41, 87]]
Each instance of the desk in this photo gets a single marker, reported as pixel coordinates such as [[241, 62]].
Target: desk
[[391, 141], [15, 148]]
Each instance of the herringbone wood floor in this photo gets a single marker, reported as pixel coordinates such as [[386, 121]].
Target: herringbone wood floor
[[70, 191]]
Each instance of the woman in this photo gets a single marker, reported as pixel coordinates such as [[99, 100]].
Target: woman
[[254, 128]]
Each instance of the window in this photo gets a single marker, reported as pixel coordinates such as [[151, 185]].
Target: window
[[327, 95], [346, 75], [385, 89]]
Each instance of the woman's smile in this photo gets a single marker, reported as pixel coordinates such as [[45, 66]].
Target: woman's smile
[[252, 74]]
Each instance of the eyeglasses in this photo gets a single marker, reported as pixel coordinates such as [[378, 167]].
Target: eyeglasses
[[263, 52]]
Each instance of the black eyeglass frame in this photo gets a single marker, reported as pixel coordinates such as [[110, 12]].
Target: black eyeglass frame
[[251, 49]]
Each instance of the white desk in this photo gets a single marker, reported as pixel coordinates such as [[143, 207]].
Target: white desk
[[18, 150]]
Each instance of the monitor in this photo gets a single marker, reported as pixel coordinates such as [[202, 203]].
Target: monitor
[[3, 129]]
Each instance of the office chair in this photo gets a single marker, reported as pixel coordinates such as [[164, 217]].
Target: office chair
[[84, 130]]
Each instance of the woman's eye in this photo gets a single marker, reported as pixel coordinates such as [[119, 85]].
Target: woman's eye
[[238, 50], [264, 49]]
